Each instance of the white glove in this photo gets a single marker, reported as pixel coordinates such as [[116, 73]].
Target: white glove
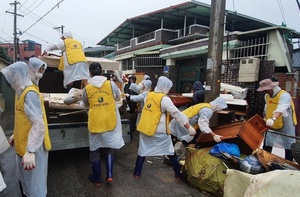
[[11, 140], [217, 138], [191, 131], [270, 122], [28, 161], [77, 96], [69, 100], [127, 95]]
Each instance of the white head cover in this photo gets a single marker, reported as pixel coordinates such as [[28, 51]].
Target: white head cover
[[146, 77], [67, 34], [218, 104], [163, 85], [147, 84], [17, 75], [34, 65]]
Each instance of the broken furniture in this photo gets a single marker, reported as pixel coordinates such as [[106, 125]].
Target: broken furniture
[[247, 134]]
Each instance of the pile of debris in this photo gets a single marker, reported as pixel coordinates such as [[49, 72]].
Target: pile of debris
[[217, 168]]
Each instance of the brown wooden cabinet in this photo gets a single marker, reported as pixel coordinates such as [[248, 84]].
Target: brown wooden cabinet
[[247, 134]]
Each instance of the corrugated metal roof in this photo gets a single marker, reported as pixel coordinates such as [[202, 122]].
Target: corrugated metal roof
[[173, 18], [97, 49]]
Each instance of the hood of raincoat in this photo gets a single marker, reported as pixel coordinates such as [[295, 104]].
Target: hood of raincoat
[[17, 75], [163, 85], [218, 104], [97, 81], [198, 86], [34, 65], [147, 84], [67, 34], [146, 77]]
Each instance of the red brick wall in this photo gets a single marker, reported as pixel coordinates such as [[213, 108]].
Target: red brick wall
[[283, 78]]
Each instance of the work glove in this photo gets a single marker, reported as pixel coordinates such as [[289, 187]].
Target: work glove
[[28, 161], [127, 95], [11, 140], [77, 96], [270, 122], [191, 131], [217, 138]]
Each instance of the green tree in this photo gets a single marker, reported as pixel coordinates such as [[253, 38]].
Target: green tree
[[3, 55]]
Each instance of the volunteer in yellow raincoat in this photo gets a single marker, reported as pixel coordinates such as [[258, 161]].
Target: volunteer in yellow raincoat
[[73, 62]]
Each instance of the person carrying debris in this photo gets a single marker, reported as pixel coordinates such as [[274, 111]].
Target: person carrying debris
[[146, 86], [130, 89], [31, 137], [154, 138], [104, 121], [279, 114], [73, 61], [199, 116], [139, 87]]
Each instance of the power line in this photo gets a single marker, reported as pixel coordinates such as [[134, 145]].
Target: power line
[[35, 16], [5, 33], [29, 6], [22, 5], [37, 37], [298, 4], [43, 16], [281, 10], [30, 11], [4, 40]]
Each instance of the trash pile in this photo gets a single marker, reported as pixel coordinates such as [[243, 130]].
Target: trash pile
[[216, 168]]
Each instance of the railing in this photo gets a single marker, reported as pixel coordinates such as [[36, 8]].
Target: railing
[[124, 44], [146, 37], [257, 47], [155, 37]]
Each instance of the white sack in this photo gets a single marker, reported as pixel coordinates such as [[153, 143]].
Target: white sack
[[269, 184], [4, 145], [2, 183]]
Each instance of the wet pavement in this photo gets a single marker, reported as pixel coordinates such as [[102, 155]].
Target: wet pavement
[[68, 171]]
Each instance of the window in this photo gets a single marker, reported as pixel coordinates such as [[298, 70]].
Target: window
[[31, 46]]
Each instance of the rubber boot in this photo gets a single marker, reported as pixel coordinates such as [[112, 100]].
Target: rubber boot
[[109, 162], [96, 177], [138, 167], [176, 166], [288, 155]]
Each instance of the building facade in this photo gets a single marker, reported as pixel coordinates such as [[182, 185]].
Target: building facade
[[26, 49], [174, 42]]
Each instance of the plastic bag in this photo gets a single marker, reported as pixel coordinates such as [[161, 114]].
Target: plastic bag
[[180, 150], [2, 183], [229, 148], [4, 145]]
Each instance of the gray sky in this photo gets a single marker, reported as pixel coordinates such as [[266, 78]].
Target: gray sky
[[91, 20]]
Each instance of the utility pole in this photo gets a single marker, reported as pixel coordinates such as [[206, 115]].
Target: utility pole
[[16, 43], [215, 49], [61, 28]]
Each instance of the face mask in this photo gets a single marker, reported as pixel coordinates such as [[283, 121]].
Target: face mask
[[39, 75]]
